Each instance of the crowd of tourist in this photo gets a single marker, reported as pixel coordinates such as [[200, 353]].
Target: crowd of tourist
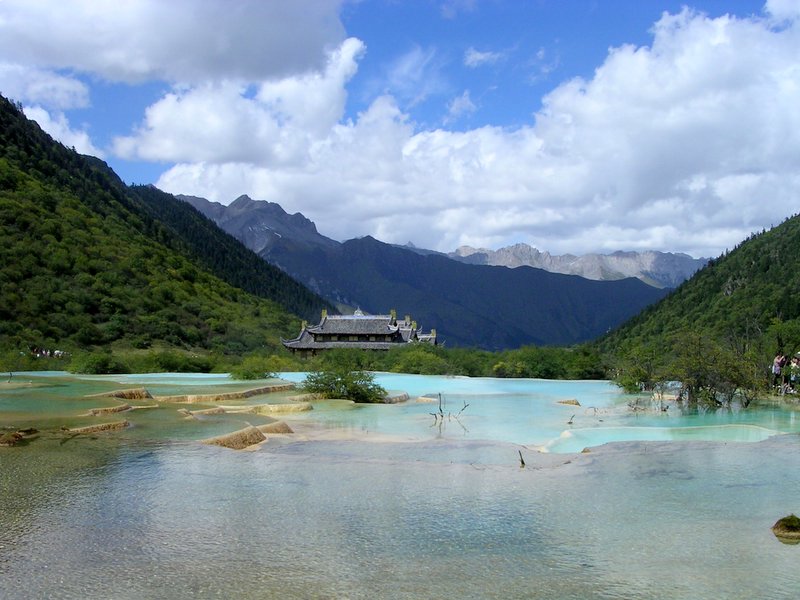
[[786, 373]]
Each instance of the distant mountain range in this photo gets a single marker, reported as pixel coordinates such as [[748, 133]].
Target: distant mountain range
[[478, 305], [660, 269]]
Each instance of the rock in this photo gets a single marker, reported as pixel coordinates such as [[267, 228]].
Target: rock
[[102, 427], [110, 410], [131, 394], [395, 397], [267, 409], [11, 438], [276, 427], [215, 398], [238, 440], [208, 411], [787, 529]]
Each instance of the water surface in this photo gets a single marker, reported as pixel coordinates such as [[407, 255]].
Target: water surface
[[399, 507]]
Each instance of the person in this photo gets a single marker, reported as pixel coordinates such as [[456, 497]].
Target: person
[[794, 373], [777, 366]]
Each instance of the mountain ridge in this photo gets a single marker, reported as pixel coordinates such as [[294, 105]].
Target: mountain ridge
[[661, 269], [469, 305]]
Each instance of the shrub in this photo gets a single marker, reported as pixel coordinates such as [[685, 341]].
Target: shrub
[[358, 386]]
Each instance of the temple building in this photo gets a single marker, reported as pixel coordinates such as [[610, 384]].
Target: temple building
[[366, 332]]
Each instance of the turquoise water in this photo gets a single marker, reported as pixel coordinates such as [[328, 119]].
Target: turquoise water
[[398, 508]]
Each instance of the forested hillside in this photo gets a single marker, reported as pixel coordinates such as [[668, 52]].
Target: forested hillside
[[737, 312], [86, 261]]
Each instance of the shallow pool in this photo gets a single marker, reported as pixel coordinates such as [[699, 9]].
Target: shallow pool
[[399, 507]]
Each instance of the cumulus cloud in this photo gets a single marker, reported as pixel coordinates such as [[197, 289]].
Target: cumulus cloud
[[276, 124], [783, 9], [179, 40], [56, 126], [39, 86], [687, 144]]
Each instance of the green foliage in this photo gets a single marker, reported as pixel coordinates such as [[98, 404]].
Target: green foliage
[[420, 359], [88, 262], [717, 332], [261, 367], [358, 386], [97, 363]]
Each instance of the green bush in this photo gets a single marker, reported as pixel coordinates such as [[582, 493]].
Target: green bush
[[358, 386], [97, 363], [253, 367]]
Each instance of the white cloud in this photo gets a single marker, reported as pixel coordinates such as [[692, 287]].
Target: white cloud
[[415, 76], [688, 144], [178, 40], [474, 58], [225, 123], [783, 9], [450, 9], [39, 86], [57, 127], [460, 106]]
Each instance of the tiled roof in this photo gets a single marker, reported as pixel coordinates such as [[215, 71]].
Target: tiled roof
[[355, 325], [360, 325]]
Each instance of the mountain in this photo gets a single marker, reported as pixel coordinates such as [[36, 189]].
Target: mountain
[[661, 269], [469, 305], [88, 261], [259, 225], [749, 298]]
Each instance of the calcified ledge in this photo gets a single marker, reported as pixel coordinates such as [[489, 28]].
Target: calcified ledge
[[225, 396], [248, 437], [102, 427], [129, 394], [268, 409]]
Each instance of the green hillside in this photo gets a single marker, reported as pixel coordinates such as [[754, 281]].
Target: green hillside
[[86, 261], [738, 312]]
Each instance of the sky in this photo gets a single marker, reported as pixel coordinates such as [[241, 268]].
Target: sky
[[574, 126]]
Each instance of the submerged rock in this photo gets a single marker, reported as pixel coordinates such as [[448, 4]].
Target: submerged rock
[[570, 402], [11, 438], [787, 529], [395, 397]]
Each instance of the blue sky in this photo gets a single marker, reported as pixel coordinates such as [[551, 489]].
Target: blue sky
[[573, 126]]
